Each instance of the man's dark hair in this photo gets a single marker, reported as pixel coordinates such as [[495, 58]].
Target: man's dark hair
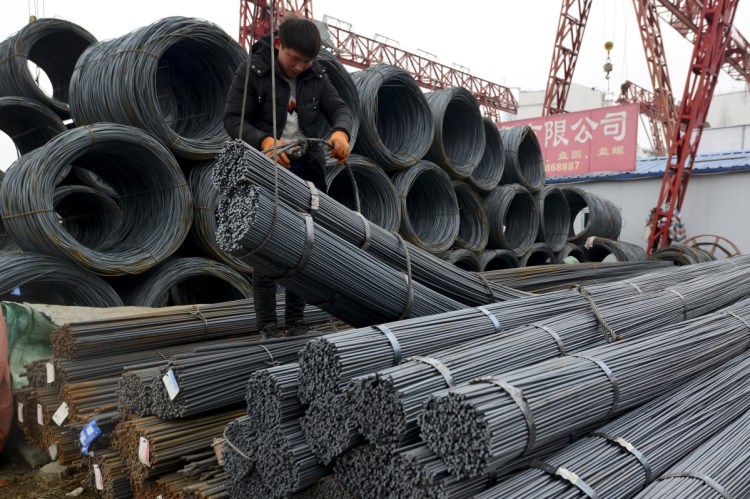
[[300, 34]]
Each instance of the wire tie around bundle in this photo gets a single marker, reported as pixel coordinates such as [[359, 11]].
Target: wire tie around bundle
[[35, 212], [567, 476], [684, 302], [409, 281], [305, 258], [495, 321], [700, 476], [609, 334], [489, 287], [197, 313], [636, 287], [395, 345], [739, 318], [518, 397], [273, 362], [439, 366], [314, 198], [621, 442], [554, 335], [610, 375], [366, 225]]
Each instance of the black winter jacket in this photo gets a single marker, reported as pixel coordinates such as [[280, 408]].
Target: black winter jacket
[[315, 94]]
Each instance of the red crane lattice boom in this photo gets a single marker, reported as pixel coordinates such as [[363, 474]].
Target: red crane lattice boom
[[632, 93]]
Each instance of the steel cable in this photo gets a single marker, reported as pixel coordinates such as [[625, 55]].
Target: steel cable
[[681, 255], [489, 171], [570, 250], [490, 260], [459, 138], [514, 218], [54, 46], [28, 123], [396, 127], [462, 258], [344, 84], [539, 254], [589, 386], [554, 217], [473, 232], [363, 186], [430, 217], [170, 78], [154, 198], [598, 249], [523, 158], [602, 218]]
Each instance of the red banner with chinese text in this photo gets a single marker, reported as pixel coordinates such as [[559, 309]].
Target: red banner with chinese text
[[597, 140]]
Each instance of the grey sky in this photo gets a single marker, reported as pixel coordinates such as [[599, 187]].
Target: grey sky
[[509, 42]]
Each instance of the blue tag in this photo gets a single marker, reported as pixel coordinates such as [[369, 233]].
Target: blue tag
[[88, 435]]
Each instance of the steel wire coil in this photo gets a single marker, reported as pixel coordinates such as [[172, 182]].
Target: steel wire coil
[[539, 254], [203, 231], [473, 232], [336, 276], [603, 219], [54, 46], [681, 255], [430, 217], [385, 405], [524, 163], [363, 186], [46, 279], [154, 198], [396, 127], [570, 250], [490, 260], [554, 217], [6, 241], [271, 396], [458, 140], [485, 413], [186, 281], [170, 78], [660, 433], [514, 218], [462, 258], [344, 84], [598, 249], [241, 164], [328, 427], [489, 171], [28, 123], [89, 215]]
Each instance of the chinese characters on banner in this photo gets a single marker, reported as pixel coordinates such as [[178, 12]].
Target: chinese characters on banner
[[597, 140]]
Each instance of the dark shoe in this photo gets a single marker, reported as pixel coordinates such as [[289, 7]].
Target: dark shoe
[[269, 331], [298, 328]]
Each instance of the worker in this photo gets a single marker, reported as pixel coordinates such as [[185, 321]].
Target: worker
[[304, 95]]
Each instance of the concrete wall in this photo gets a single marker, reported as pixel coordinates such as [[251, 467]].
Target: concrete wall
[[729, 110], [714, 204]]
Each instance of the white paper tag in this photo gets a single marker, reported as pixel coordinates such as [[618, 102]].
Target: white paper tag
[[60, 414], [219, 449], [39, 414], [170, 383], [20, 412], [98, 480], [52, 451], [144, 451], [50, 372]]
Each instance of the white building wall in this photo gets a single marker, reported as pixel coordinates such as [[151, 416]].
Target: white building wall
[[729, 110], [580, 98]]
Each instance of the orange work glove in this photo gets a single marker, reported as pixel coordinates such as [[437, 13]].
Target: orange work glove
[[282, 158], [340, 146]]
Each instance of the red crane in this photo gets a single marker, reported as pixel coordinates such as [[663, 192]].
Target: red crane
[[632, 93], [361, 52]]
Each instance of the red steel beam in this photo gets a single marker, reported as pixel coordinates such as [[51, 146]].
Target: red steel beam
[[632, 93], [711, 42], [570, 29]]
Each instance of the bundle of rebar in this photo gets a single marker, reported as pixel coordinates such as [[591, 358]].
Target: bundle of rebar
[[386, 405], [396, 125], [310, 261], [554, 217], [364, 187], [473, 231], [489, 171], [623, 456], [329, 428], [491, 260], [681, 255], [598, 249], [363, 471], [347, 90], [463, 259], [89, 215], [155, 211], [571, 250], [28, 123], [603, 220], [459, 138], [507, 415], [205, 381], [241, 164], [150, 78], [54, 45], [186, 281], [203, 231], [272, 396], [54, 279], [538, 254], [327, 487], [240, 450], [134, 390], [523, 158], [514, 218]]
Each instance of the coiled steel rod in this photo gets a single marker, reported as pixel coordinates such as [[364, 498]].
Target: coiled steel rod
[[491, 260], [462, 258], [28, 123], [489, 171], [554, 217], [539, 254], [344, 84], [473, 232], [603, 220], [514, 218], [681, 255], [571, 250], [598, 249], [523, 158]]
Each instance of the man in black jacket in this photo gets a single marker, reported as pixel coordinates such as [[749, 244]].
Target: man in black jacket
[[303, 92]]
